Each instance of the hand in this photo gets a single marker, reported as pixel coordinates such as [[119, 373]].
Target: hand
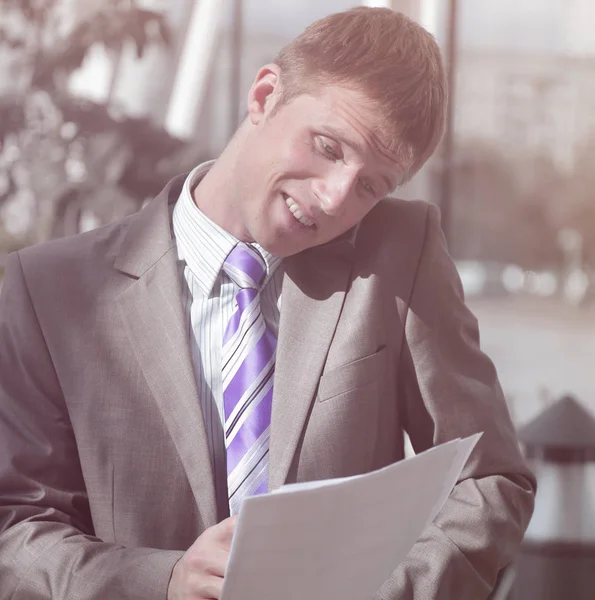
[[198, 575]]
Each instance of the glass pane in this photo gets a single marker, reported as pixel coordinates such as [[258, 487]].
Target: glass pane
[[523, 216]]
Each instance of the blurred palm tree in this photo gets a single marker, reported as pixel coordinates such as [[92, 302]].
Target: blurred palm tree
[[66, 163]]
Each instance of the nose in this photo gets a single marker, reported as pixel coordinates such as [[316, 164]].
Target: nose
[[332, 190]]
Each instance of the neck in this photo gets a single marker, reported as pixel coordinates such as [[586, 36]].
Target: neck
[[217, 195]]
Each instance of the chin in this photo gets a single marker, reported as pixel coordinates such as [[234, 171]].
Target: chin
[[270, 242], [279, 250], [279, 247]]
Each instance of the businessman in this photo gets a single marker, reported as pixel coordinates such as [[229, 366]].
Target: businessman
[[270, 317]]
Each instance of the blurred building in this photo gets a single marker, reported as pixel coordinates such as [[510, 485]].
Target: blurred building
[[578, 20], [527, 104]]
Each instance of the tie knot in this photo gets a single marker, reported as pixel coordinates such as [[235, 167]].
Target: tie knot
[[245, 266]]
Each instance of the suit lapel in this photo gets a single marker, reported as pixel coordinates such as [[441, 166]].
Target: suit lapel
[[313, 292], [153, 316]]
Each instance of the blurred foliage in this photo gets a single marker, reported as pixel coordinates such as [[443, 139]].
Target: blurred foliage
[[51, 53], [511, 211], [575, 205], [69, 163]]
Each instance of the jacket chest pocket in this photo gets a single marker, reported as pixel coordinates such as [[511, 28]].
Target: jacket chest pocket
[[352, 376], [349, 423]]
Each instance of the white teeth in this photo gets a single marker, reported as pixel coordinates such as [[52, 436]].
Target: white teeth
[[297, 213]]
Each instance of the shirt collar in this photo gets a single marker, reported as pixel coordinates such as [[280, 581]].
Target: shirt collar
[[201, 243]]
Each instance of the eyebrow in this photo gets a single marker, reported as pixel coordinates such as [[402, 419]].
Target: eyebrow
[[358, 147]]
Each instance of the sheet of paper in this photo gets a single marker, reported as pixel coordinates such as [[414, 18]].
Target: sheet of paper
[[339, 539]]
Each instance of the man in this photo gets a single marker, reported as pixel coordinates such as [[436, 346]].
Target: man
[[137, 362]]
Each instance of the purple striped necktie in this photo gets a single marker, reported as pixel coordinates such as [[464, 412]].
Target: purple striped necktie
[[247, 372]]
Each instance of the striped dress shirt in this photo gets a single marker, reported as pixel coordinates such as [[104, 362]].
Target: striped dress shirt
[[208, 297]]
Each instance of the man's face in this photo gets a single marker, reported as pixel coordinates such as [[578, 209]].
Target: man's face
[[313, 170]]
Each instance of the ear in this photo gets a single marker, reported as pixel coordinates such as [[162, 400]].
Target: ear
[[263, 92]]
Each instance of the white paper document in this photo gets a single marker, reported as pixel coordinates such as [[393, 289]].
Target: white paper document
[[339, 539]]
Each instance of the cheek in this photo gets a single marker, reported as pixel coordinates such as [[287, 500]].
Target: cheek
[[296, 156]]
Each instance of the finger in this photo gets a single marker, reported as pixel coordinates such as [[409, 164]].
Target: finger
[[206, 587], [218, 562], [224, 531], [209, 560]]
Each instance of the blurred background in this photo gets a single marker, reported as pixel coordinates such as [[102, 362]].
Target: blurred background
[[102, 101]]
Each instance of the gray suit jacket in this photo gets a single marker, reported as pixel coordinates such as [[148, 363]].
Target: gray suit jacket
[[104, 474]]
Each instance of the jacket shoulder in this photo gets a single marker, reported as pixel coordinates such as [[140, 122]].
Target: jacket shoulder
[[102, 242], [398, 212], [397, 224], [75, 265]]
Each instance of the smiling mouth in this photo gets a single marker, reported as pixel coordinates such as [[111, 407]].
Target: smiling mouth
[[296, 212]]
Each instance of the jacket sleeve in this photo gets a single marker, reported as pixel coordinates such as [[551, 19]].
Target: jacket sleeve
[[47, 544], [449, 389]]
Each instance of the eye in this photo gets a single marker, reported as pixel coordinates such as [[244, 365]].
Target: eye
[[327, 148], [367, 187]]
